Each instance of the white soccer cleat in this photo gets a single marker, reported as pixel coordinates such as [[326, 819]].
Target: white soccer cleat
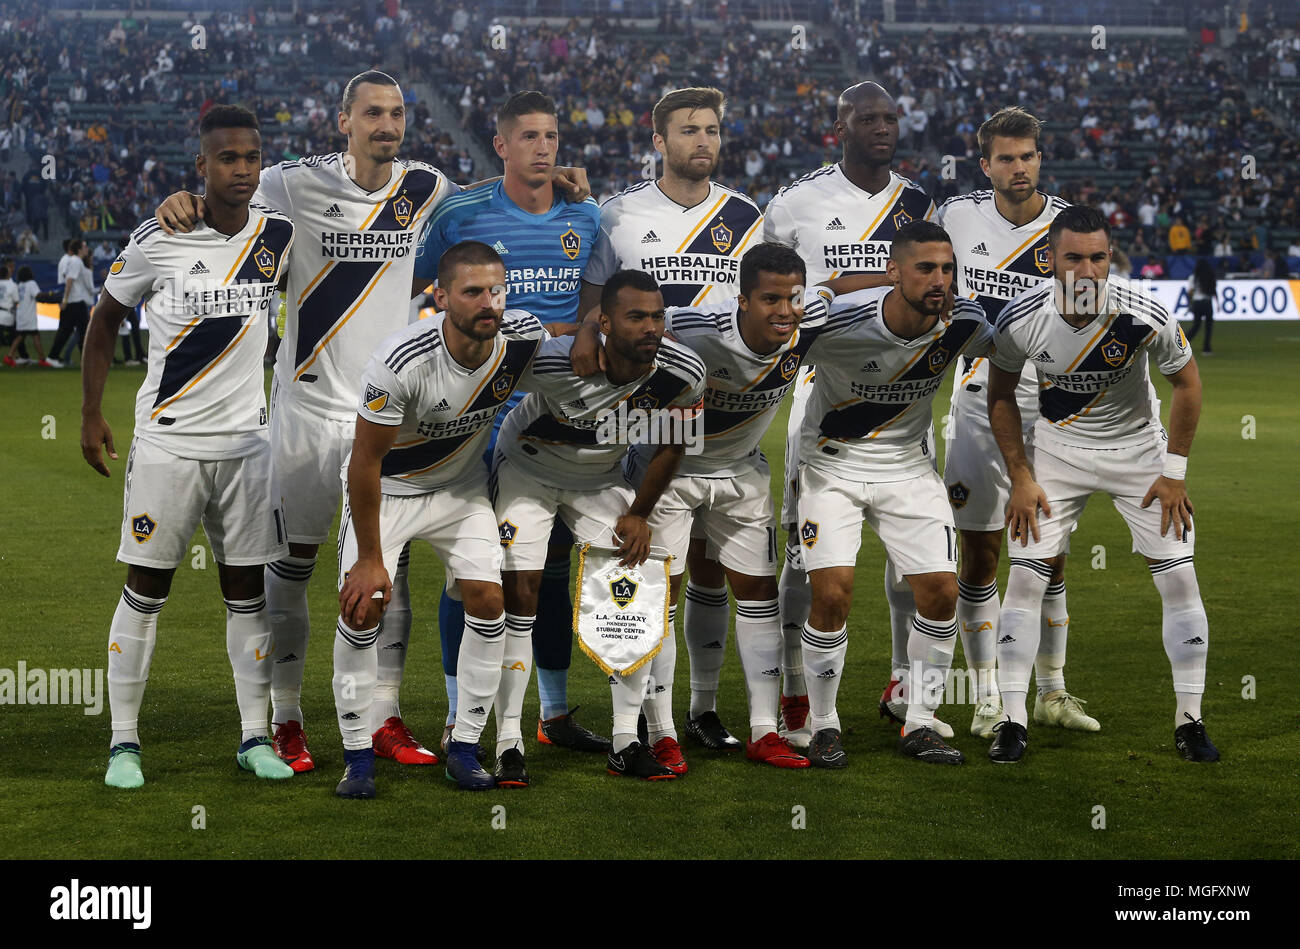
[[987, 714], [1063, 710]]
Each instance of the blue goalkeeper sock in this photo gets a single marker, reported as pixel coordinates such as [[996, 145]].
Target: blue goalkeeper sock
[[451, 629], [553, 638]]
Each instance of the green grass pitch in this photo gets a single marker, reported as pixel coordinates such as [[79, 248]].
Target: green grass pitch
[[58, 536]]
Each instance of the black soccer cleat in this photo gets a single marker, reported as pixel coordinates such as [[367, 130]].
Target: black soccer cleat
[[636, 761], [709, 732], [563, 732], [359, 777], [925, 744], [826, 750], [642, 730], [1009, 741], [511, 772], [1192, 741]]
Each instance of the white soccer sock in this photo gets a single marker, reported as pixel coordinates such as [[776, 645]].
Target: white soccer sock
[[823, 657], [355, 671], [390, 647], [516, 668], [478, 672], [1018, 632], [627, 693], [794, 593], [929, 654], [658, 705], [758, 640], [131, 639], [286, 606], [248, 644], [1186, 632], [1049, 664], [977, 618], [902, 607], [704, 623]]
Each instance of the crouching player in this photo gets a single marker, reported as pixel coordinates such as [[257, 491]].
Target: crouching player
[[201, 451], [429, 396]]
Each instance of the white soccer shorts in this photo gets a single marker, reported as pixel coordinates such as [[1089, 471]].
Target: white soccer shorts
[[973, 470], [735, 514], [309, 452], [912, 519], [526, 510], [1069, 476], [167, 497], [457, 521]]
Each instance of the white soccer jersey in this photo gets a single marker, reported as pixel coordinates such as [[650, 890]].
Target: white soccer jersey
[[838, 228], [694, 253], [868, 417], [996, 262], [209, 296], [555, 434], [744, 389], [351, 271], [1094, 390], [445, 411]]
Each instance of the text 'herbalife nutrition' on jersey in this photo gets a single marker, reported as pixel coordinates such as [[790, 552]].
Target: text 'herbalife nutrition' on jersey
[[366, 245], [1003, 284], [867, 257], [693, 268]]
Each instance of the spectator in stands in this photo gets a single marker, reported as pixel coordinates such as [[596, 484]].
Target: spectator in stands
[[1200, 292], [1180, 238], [1153, 269]]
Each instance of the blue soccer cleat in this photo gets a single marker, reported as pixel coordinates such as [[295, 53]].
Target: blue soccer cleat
[[464, 768], [359, 777]]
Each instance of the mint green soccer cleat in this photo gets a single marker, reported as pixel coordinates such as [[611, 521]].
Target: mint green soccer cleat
[[258, 756], [124, 766], [1064, 710]]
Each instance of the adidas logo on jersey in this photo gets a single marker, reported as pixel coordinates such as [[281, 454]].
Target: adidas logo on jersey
[[333, 211], [720, 373], [981, 248], [871, 367], [442, 406], [500, 248], [198, 268], [1044, 356], [578, 405], [650, 238], [835, 225]]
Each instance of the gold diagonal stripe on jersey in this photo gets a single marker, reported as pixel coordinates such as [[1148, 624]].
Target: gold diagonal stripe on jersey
[[437, 186], [244, 250], [973, 368], [704, 220], [740, 248], [181, 335], [315, 280], [771, 363], [375, 210], [930, 214], [892, 420], [1083, 411], [1016, 253], [1083, 353], [487, 377], [437, 464], [921, 351], [883, 211], [207, 369], [339, 325]]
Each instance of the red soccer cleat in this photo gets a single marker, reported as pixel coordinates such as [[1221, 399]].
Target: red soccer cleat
[[774, 750], [892, 705], [291, 745], [669, 754], [395, 741]]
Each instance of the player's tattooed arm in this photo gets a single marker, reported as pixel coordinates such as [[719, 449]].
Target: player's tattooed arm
[[96, 357], [631, 531], [1004, 418], [367, 577], [1185, 411], [180, 212]]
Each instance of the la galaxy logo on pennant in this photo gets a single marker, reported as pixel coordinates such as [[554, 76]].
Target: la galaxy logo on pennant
[[502, 385], [571, 242], [402, 208], [1113, 352], [721, 236], [622, 590], [142, 527], [264, 258]]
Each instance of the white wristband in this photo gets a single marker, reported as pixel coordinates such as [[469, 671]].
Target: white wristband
[[1175, 467]]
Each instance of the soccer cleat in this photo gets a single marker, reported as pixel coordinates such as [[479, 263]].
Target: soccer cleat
[[642, 729], [291, 745], [636, 761], [258, 756], [826, 750], [124, 766], [774, 750], [394, 740], [794, 721], [1063, 710], [669, 754], [1192, 741], [464, 768], [50, 363], [1009, 741], [708, 731], [10, 361], [359, 775], [987, 714], [511, 772], [894, 708], [563, 732], [924, 744]]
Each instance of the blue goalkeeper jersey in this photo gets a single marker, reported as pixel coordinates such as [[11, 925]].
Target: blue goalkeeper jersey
[[544, 254]]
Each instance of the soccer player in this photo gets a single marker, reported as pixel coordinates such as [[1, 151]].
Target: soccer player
[[866, 454], [1088, 335], [817, 215], [689, 233], [358, 214], [430, 395], [1000, 238], [551, 461], [545, 242], [201, 451]]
